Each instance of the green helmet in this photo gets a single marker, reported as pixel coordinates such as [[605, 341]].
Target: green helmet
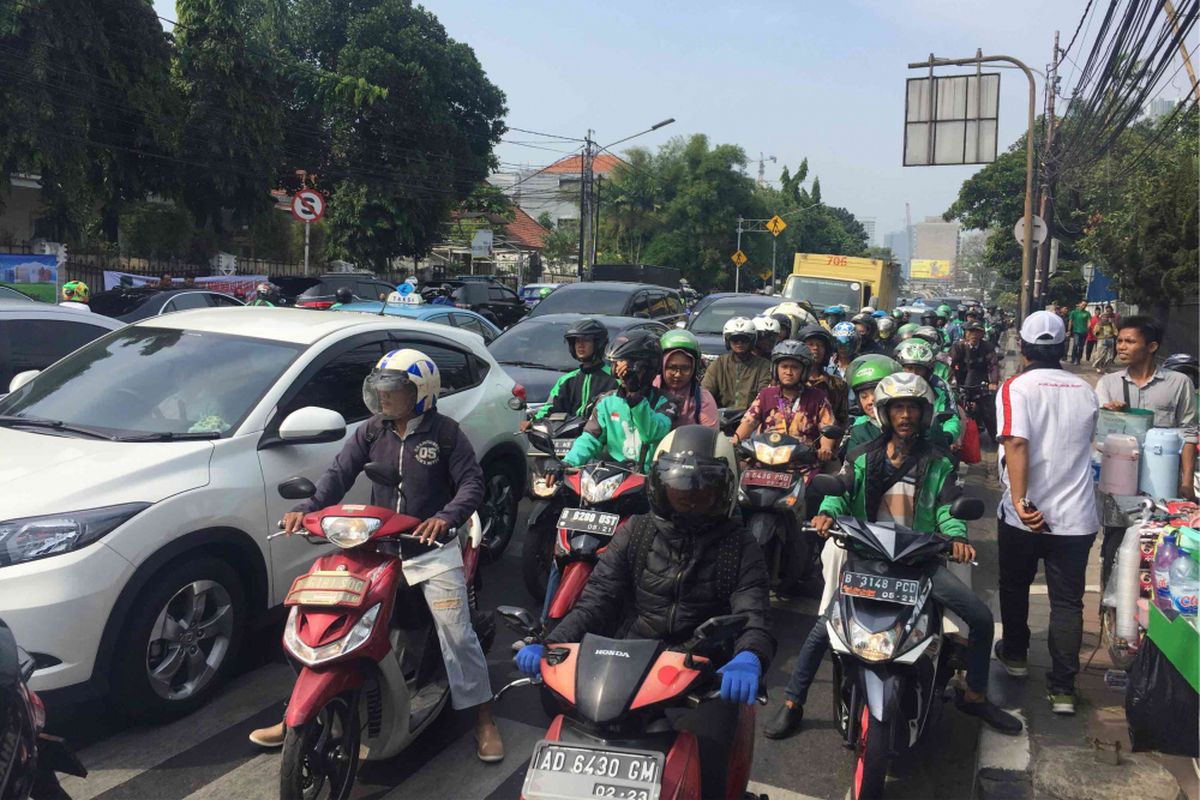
[[915, 353], [681, 340], [903, 386], [868, 370], [906, 331], [944, 311]]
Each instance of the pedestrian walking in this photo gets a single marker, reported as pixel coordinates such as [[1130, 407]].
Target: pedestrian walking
[[1080, 320], [1106, 340], [1047, 418], [1090, 345]]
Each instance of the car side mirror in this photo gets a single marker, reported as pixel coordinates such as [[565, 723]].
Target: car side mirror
[[22, 378], [540, 441], [826, 486], [383, 474], [518, 619], [312, 425], [298, 488], [967, 508]]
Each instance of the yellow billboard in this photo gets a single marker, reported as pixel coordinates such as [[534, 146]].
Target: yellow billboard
[[929, 269]]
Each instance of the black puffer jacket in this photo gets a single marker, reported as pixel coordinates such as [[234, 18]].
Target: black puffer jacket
[[677, 590]]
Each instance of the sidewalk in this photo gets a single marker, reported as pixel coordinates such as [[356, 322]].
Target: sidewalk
[[1071, 758]]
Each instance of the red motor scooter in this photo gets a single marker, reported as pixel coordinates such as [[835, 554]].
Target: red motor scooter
[[371, 665], [614, 738], [595, 500]]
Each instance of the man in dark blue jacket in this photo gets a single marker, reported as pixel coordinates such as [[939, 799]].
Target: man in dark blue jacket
[[441, 483]]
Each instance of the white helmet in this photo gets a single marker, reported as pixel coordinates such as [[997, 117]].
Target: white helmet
[[903, 386], [767, 325], [401, 368], [739, 326], [867, 310]]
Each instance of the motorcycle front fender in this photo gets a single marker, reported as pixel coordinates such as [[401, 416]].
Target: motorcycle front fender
[[545, 512], [764, 526], [882, 688], [314, 689], [570, 587]]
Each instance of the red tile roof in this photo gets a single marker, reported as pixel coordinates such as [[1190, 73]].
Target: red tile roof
[[601, 164], [526, 230]]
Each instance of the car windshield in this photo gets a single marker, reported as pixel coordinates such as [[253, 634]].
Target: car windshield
[[823, 292], [713, 318], [534, 343], [155, 381], [592, 300]]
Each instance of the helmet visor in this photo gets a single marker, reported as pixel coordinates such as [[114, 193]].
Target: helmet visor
[[688, 485], [389, 392]]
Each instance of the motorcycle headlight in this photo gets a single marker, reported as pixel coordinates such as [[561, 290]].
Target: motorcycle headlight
[[765, 454], [919, 632], [31, 538], [872, 646], [540, 489], [594, 492], [312, 656], [349, 532]]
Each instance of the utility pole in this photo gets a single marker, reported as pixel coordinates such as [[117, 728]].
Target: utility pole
[[737, 271], [585, 207], [596, 217], [1049, 175]]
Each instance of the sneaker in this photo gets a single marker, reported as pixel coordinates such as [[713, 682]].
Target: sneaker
[[1017, 667], [520, 643], [1000, 720], [1062, 702], [785, 722]]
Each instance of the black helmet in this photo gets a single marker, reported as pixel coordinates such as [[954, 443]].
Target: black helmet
[[929, 317], [587, 328], [973, 325], [867, 321], [794, 350], [642, 350], [785, 324], [693, 480], [1185, 363], [344, 295], [817, 331]]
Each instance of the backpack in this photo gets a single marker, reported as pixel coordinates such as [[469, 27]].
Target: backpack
[[729, 552]]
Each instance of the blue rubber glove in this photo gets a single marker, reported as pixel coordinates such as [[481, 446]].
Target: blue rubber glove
[[739, 678], [529, 659]]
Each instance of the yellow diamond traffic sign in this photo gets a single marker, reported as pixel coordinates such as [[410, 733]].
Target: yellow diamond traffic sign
[[776, 225], [739, 258]]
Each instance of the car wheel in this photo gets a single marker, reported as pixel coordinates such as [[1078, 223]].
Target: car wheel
[[498, 511], [180, 641]]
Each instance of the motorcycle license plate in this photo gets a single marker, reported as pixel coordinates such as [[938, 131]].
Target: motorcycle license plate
[[562, 447], [881, 587], [765, 477], [558, 772], [587, 521]]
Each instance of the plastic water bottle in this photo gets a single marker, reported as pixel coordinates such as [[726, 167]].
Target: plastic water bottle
[[1185, 584], [1163, 558]]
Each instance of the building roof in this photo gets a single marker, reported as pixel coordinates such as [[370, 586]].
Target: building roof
[[601, 164], [526, 230]]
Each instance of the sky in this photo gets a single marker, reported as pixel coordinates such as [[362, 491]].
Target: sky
[[792, 79]]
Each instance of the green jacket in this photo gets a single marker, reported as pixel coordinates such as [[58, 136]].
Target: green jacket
[[949, 431], [623, 433], [937, 487], [573, 392], [862, 430]]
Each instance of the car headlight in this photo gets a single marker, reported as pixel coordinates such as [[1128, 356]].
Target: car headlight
[[872, 646], [312, 656], [349, 532], [31, 538], [765, 454], [594, 492]]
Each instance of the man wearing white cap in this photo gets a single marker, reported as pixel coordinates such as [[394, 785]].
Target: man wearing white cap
[[1046, 418]]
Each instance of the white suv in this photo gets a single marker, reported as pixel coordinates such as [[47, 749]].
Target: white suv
[[138, 484]]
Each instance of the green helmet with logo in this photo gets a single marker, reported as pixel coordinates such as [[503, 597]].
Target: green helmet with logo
[[866, 371], [906, 331], [944, 311], [915, 353], [677, 339]]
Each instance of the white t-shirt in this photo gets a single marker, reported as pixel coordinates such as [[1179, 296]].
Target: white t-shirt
[[1056, 412]]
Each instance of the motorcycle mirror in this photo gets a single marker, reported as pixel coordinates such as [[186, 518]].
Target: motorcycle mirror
[[834, 432], [383, 474], [540, 441], [967, 508], [826, 485], [518, 619], [721, 629], [297, 488]]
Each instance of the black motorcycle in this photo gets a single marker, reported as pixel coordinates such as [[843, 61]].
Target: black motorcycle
[[29, 758], [892, 659]]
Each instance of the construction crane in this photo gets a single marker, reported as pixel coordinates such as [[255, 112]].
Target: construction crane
[[762, 160]]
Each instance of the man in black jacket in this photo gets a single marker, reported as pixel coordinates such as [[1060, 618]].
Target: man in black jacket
[[688, 560]]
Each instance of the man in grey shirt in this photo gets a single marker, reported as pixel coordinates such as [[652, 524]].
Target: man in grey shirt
[[1142, 384]]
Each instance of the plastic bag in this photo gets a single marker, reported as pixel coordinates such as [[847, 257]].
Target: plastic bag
[[971, 452], [1160, 706]]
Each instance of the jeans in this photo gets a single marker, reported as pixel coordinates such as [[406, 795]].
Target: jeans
[[1065, 560], [466, 667], [1077, 342], [551, 588], [951, 593]]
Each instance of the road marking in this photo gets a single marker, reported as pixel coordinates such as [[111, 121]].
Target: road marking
[[257, 779], [1042, 589], [775, 793], [140, 749]]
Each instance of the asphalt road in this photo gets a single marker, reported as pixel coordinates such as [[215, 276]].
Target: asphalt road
[[207, 755]]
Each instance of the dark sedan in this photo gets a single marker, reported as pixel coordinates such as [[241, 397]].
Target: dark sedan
[[535, 355], [132, 303], [614, 298], [707, 324]]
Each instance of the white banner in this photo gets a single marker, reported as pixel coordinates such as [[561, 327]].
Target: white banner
[[229, 284]]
